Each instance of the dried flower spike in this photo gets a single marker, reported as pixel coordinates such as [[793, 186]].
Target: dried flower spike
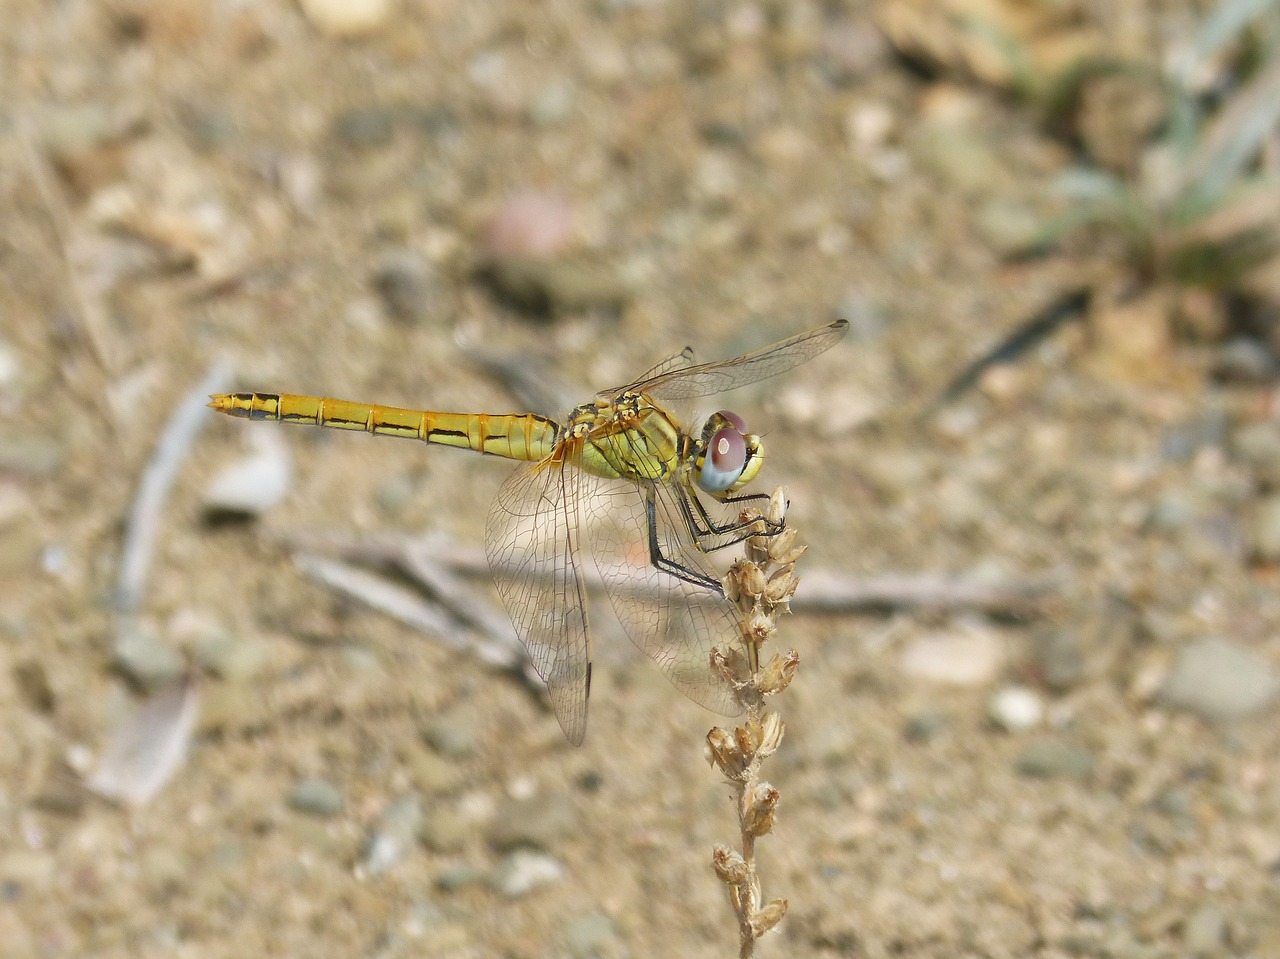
[[760, 586]]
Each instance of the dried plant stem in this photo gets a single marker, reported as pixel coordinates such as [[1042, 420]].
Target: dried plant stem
[[761, 586]]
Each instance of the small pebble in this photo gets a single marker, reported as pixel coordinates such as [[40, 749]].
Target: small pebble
[[1219, 680], [365, 127], [1016, 708], [34, 457], [543, 286], [451, 736], [1058, 658], [537, 823], [252, 484], [316, 796], [523, 871], [394, 834], [592, 936], [1244, 359], [346, 18], [1258, 445], [407, 284], [445, 831], [32, 683], [1205, 932], [1052, 759], [1264, 531], [924, 726], [970, 657], [459, 877], [145, 661], [531, 225]]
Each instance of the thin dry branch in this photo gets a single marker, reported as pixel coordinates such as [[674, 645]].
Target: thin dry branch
[[175, 442], [826, 591]]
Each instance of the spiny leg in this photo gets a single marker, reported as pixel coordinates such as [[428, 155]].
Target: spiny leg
[[703, 528], [661, 562]]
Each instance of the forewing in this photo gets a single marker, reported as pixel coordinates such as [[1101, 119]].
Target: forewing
[[706, 379], [679, 361], [531, 540], [675, 623]]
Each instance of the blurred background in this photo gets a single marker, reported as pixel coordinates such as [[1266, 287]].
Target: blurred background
[[1035, 712]]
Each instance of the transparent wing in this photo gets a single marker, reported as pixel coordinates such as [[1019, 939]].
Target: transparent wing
[[678, 361], [675, 623], [531, 538], [705, 379]]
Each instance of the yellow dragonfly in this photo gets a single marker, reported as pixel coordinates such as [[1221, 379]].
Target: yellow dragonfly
[[619, 476]]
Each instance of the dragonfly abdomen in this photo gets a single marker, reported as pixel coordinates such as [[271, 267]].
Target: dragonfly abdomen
[[519, 437]]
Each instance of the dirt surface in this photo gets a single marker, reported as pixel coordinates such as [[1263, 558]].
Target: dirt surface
[[187, 181]]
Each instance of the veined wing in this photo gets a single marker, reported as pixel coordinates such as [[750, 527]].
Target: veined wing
[[531, 538], [677, 361], [675, 623], [705, 379]]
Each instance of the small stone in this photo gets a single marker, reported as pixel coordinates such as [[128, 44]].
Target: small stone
[[1258, 445], [924, 726], [1219, 680], [222, 653], [365, 127], [252, 484], [316, 796], [451, 736], [1264, 531], [1016, 708], [536, 823], [1058, 658], [394, 834], [1052, 759], [346, 18], [35, 457], [21, 541], [145, 661], [445, 831], [543, 286], [593, 936], [395, 493], [1173, 510], [535, 225], [32, 682], [407, 284], [970, 657], [523, 871], [459, 877], [1008, 226], [1205, 932], [1244, 359]]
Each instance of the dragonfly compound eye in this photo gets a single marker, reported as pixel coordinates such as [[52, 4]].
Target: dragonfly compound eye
[[725, 457]]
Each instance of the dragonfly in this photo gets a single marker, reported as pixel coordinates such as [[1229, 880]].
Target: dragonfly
[[619, 478]]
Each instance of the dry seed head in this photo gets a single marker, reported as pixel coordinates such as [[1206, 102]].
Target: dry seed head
[[772, 735], [782, 544], [761, 801], [777, 506], [781, 586], [759, 627], [752, 579], [778, 673], [729, 865], [729, 663], [723, 751], [748, 737], [767, 918]]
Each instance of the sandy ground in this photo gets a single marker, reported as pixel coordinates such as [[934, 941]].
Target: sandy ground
[[192, 181]]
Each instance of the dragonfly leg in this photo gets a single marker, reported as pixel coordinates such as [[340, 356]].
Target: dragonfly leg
[[693, 577], [704, 529]]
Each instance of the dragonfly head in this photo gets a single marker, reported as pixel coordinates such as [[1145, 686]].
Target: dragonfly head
[[728, 456]]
